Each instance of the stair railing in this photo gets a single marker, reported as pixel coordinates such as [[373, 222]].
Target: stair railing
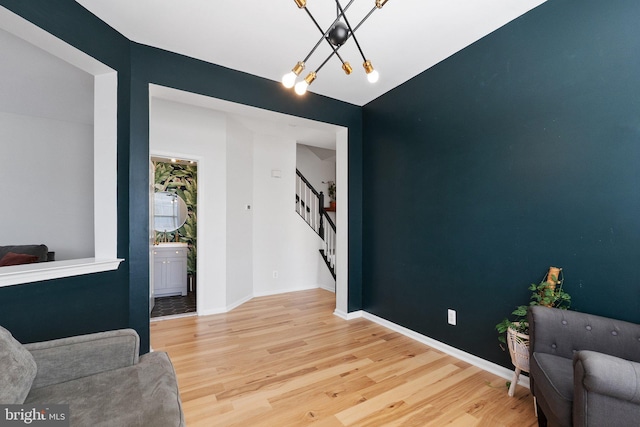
[[329, 253], [310, 206], [309, 203]]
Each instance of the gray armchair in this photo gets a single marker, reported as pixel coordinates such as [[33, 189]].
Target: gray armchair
[[99, 376], [584, 369]]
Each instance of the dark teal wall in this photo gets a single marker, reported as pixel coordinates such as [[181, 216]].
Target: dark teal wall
[[96, 302], [104, 301], [520, 152]]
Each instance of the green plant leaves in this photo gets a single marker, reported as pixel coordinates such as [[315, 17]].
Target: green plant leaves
[[183, 180], [541, 294]]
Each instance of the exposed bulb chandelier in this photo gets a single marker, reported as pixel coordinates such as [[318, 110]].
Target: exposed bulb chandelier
[[336, 36]]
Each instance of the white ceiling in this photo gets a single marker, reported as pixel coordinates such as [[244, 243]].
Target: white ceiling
[[267, 38]]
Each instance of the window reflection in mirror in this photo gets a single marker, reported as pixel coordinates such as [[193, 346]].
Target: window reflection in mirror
[[170, 211]]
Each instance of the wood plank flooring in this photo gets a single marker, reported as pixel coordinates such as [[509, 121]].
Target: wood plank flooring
[[286, 360]]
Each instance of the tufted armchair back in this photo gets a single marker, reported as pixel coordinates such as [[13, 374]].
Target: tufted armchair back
[[563, 332]]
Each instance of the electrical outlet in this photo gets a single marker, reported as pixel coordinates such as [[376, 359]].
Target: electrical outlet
[[275, 274], [451, 317]]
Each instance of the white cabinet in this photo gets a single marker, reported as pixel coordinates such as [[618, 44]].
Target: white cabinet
[[170, 269]]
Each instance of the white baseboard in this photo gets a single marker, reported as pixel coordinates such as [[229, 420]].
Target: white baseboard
[[328, 288], [483, 364], [348, 316], [238, 303], [172, 316], [211, 311], [284, 291], [341, 314], [228, 308]]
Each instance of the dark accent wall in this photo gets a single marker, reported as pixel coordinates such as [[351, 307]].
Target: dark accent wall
[[519, 152], [96, 302], [104, 301]]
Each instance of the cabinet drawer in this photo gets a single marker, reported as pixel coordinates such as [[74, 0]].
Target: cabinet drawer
[[170, 252]]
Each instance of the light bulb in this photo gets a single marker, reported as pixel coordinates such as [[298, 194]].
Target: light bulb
[[301, 87], [289, 79], [373, 76]]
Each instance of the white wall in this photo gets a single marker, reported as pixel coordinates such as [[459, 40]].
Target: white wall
[[200, 134], [47, 181], [316, 170], [239, 249], [46, 141], [239, 218], [36, 83], [282, 241]]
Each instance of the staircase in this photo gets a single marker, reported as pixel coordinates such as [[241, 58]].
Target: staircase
[[310, 206]]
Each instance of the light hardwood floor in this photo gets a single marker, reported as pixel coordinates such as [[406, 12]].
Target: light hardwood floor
[[287, 360]]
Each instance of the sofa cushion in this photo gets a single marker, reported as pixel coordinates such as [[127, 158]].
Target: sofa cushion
[[38, 250], [17, 369], [13, 258], [557, 390], [145, 394]]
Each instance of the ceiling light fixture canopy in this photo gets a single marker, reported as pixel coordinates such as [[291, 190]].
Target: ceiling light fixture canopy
[[337, 34]]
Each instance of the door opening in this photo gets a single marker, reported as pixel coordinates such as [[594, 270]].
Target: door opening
[[173, 238]]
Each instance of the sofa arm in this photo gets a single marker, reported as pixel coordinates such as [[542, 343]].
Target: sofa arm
[[563, 332], [606, 390], [75, 357]]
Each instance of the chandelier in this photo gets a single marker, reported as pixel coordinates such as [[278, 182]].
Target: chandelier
[[336, 36]]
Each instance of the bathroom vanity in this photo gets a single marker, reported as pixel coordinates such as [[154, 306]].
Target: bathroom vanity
[[170, 269]]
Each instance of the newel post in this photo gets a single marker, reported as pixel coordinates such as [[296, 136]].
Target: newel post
[[320, 212]]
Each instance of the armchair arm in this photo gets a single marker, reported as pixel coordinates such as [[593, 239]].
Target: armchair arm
[[75, 357], [606, 390], [563, 332]]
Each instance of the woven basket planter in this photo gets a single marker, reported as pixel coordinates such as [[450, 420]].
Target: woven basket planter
[[519, 350]]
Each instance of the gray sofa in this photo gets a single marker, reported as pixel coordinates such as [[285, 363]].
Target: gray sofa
[[584, 369], [40, 251], [99, 376]]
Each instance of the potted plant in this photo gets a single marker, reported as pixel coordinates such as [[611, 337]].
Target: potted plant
[[515, 332], [331, 188]]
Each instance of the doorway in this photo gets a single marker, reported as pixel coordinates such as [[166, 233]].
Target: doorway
[[210, 124], [173, 254]]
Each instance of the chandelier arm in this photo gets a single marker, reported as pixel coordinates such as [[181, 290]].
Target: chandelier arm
[[325, 61], [351, 30], [364, 19], [339, 15], [324, 35], [313, 50], [335, 50], [350, 34]]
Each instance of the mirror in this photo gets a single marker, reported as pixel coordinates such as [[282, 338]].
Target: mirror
[[170, 211]]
